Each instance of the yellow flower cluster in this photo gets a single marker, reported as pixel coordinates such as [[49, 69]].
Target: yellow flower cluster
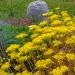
[[3, 73], [43, 63], [12, 47], [17, 67], [27, 47], [5, 66], [71, 40], [48, 14], [70, 56], [57, 22], [57, 43], [43, 23], [54, 16], [59, 70], [49, 52], [51, 47], [59, 56], [21, 35]]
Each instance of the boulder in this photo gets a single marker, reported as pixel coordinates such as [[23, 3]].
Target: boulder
[[36, 9]]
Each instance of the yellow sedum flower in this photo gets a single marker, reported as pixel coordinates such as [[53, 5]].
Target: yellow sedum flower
[[70, 56], [17, 67], [48, 36], [18, 74], [34, 35], [67, 19], [23, 58], [49, 52], [70, 23], [34, 28], [3, 73], [48, 14], [60, 36], [27, 47], [26, 73], [56, 22], [12, 47], [43, 23], [37, 73], [46, 30], [37, 40], [64, 14], [43, 63], [54, 16], [14, 55], [61, 29], [5, 66], [71, 40], [57, 43], [59, 70], [21, 36], [59, 56]]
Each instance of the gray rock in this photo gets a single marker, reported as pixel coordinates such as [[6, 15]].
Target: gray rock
[[36, 9]]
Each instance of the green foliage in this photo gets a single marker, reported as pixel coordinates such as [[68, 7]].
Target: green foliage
[[7, 34], [17, 8]]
